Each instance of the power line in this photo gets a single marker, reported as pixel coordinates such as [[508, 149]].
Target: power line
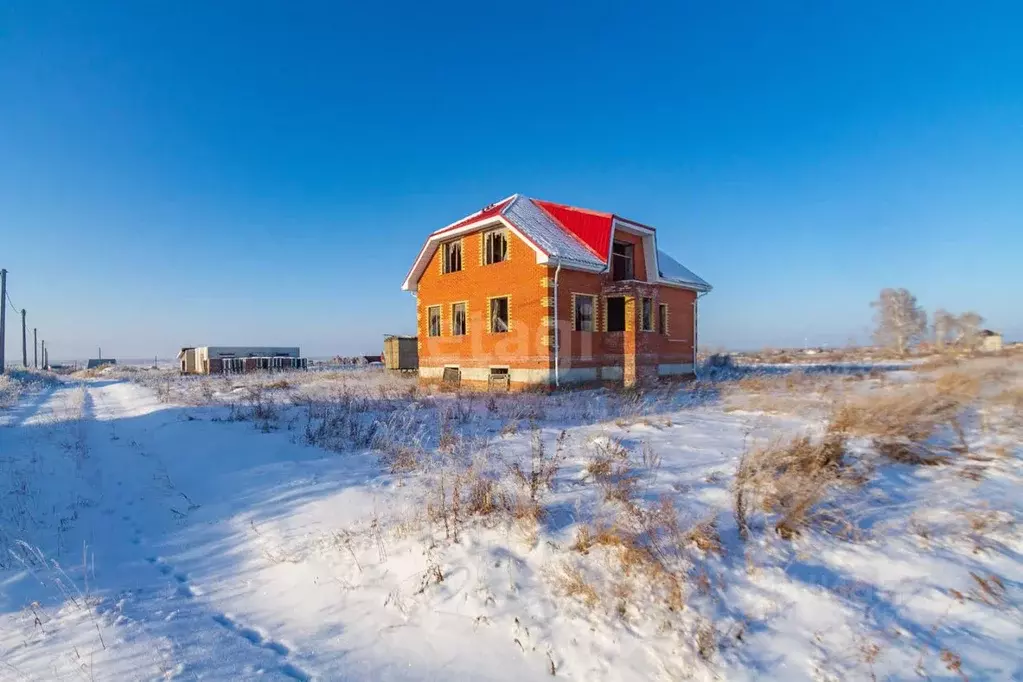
[[5, 300]]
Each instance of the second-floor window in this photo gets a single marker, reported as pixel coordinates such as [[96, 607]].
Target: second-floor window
[[646, 319], [495, 247], [452, 254], [458, 319], [584, 313], [499, 321], [434, 320]]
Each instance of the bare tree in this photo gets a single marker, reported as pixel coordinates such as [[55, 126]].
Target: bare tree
[[945, 325], [967, 329], [900, 319]]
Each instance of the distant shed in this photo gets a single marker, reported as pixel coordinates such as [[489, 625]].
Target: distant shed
[[234, 359], [95, 363], [990, 342], [401, 353]]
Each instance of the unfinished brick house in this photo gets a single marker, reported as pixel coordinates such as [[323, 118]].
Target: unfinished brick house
[[532, 293]]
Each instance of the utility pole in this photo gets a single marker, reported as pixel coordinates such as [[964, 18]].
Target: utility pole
[[3, 317], [42, 353], [35, 347], [24, 344]]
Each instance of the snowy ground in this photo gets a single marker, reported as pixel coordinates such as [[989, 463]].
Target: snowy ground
[[349, 527]]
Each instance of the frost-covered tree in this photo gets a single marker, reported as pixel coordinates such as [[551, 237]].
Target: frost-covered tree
[[945, 324], [968, 328], [900, 320]]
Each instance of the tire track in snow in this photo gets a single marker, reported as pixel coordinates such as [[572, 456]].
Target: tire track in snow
[[278, 664]]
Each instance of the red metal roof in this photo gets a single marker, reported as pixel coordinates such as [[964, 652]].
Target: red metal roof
[[488, 212], [592, 228]]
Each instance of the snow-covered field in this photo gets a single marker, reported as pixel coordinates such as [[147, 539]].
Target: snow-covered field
[[350, 526]]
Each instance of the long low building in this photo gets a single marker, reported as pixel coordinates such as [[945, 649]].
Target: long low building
[[234, 359]]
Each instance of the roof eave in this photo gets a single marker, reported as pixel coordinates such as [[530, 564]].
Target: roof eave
[[693, 286], [419, 267]]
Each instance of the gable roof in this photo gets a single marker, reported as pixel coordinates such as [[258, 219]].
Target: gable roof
[[576, 238]]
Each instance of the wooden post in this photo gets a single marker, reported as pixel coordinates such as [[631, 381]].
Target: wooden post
[[24, 344]]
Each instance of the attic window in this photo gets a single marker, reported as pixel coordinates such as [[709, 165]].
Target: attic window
[[452, 254], [495, 247]]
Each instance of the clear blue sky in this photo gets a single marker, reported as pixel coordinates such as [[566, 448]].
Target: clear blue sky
[[177, 173]]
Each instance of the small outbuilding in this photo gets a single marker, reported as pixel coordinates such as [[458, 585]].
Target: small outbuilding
[[401, 353], [96, 363], [990, 341], [237, 359]]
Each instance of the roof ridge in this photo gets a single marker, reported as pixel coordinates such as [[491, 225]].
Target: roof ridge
[[507, 201], [591, 211], [511, 200]]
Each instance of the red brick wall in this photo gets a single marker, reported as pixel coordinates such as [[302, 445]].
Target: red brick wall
[[593, 349], [677, 346], [529, 287], [579, 349], [520, 278]]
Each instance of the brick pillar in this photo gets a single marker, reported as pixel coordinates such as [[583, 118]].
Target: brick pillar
[[646, 364], [629, 343]]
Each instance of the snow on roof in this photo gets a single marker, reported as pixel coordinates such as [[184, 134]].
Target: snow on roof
[[577, 238], [549, 235], [673, 271]]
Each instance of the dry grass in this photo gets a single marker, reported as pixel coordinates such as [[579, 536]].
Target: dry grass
[[783, 392], [705, 537], [611, 469], [539, 478], [1011, 398], [792, 481], [912, 424], [647, 546], [480, 492], [646, 550], [924, 422], [569, 581]]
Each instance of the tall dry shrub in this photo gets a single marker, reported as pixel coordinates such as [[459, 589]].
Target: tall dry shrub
[[790, 481]]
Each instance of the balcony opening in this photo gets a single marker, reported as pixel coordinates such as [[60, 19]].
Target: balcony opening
[[621, 261]]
